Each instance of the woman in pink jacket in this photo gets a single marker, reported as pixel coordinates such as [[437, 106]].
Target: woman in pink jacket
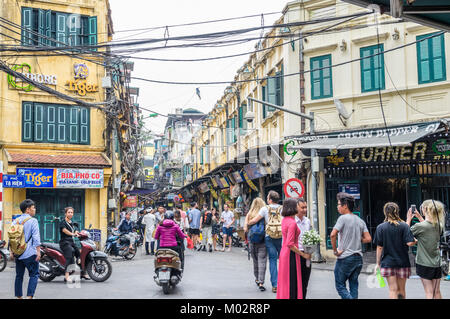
[[289, 273], [167, 233]]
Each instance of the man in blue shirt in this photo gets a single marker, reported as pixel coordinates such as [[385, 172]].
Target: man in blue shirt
[[194, 223], [32, 254]]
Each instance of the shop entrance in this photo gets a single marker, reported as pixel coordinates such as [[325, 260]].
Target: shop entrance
[[50, 204], [376, 193]]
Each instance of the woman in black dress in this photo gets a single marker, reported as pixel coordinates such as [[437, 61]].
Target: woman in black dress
[[67, 245]]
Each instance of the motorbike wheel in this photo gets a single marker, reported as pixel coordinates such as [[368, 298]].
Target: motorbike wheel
[[130, 255], [166, 288], [3, 261], [445, 261], [104, 269], [45, 276]]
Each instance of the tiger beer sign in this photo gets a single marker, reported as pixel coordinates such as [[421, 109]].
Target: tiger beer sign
[[80, 85]]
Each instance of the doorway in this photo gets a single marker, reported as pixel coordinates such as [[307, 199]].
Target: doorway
[[376, 194], [50, 204]]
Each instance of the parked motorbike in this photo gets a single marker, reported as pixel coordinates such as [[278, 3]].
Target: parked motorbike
[[4, 255], [168, 271], [118, 245], [94, 262], [444, 249]]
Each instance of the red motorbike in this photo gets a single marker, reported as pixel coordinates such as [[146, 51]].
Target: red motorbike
[[94, 262]]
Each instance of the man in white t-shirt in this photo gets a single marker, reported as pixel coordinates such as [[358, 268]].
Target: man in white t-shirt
[[304, 224], [227, 218]]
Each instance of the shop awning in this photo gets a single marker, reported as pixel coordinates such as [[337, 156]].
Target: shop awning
[[57, 159], [377, 137]]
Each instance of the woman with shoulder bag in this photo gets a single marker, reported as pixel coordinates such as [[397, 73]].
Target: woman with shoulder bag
[[258, 250], [428, 232], [67, 243]]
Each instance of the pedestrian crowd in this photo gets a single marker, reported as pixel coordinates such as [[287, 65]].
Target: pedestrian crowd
[[275, 235]]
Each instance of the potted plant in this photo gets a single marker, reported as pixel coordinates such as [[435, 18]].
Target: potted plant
[[310, 240]]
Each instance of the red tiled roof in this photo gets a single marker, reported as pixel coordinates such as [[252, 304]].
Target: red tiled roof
[[62, 160]]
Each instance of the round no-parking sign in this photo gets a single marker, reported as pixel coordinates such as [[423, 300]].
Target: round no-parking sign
[[294, 188]]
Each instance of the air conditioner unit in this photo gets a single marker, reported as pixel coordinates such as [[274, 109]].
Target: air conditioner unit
[[189, 177]]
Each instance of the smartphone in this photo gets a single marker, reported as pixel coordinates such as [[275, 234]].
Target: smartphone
[[413, 208]]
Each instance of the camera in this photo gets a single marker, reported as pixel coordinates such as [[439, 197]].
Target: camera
[[249, 116]]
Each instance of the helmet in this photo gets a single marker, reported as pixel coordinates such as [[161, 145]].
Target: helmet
[[169, 215]]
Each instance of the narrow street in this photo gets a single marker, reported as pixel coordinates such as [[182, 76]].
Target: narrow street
[[217, 275]]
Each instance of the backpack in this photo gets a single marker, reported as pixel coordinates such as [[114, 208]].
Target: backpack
[[207, 218], [257, 233], [273, 227], [16, 235]]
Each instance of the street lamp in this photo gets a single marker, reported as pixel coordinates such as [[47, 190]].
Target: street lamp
[[314, 162]]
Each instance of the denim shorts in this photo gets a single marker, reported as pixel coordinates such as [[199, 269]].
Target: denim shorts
[[227, 231]]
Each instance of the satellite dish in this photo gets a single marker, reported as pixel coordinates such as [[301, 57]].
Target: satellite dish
[[343, 113]]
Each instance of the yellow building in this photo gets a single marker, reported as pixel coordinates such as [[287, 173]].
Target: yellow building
[[53, 151]]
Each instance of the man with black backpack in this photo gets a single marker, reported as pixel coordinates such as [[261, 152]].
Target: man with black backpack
[[272, 215], [25, 242], [206, 228]]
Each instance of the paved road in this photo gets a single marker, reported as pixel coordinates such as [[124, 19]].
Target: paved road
[[217, 275]]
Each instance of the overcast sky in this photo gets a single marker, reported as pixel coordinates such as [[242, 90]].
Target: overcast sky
[[164, 98]]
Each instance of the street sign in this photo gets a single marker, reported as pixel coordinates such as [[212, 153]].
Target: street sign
[[294, 188], [13, 181]]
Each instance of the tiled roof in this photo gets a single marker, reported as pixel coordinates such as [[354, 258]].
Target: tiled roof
[[73, 160]]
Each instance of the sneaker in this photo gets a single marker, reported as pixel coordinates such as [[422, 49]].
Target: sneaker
[[204, 248], [261, 287], [210, 249], [274, 290]]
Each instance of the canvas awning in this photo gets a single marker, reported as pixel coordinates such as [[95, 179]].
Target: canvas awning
[[377, 137]]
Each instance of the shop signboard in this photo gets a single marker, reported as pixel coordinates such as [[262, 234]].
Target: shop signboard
[[214, 182], [218, 181], [79, 178], [224, 182], [255, 171], [203, 187], [352, 189], [130, 202], [237, 177], [37, 177]]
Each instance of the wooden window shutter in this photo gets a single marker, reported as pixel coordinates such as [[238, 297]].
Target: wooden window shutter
[[39, 122], [62, 131], [51, 123], [61, 29], [74, 114], [93, 31], [41, 28], [27, 122], [84, 126], [27, 26]]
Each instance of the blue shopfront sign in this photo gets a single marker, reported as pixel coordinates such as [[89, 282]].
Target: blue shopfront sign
[[13, 181], [37, 177], [352, 189]]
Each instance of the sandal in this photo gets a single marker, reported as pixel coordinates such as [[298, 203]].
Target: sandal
[[261, 287]]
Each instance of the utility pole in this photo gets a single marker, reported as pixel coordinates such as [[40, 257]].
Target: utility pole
[[314, 168]]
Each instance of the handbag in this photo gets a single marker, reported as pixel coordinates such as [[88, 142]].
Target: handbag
[[443, 263], [190, 243]]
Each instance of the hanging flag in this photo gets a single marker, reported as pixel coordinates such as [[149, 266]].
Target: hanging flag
[[197, 90]]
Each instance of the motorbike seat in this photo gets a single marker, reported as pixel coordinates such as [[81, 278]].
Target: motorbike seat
[[52, 246]]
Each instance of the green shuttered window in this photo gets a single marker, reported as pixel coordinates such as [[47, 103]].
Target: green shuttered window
[[52, 123], [372, 68], [431, 59], [50, 28], [321, 77], [273, 92]]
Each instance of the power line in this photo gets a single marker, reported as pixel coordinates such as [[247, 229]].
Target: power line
[[196, 36], [291, 74]]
